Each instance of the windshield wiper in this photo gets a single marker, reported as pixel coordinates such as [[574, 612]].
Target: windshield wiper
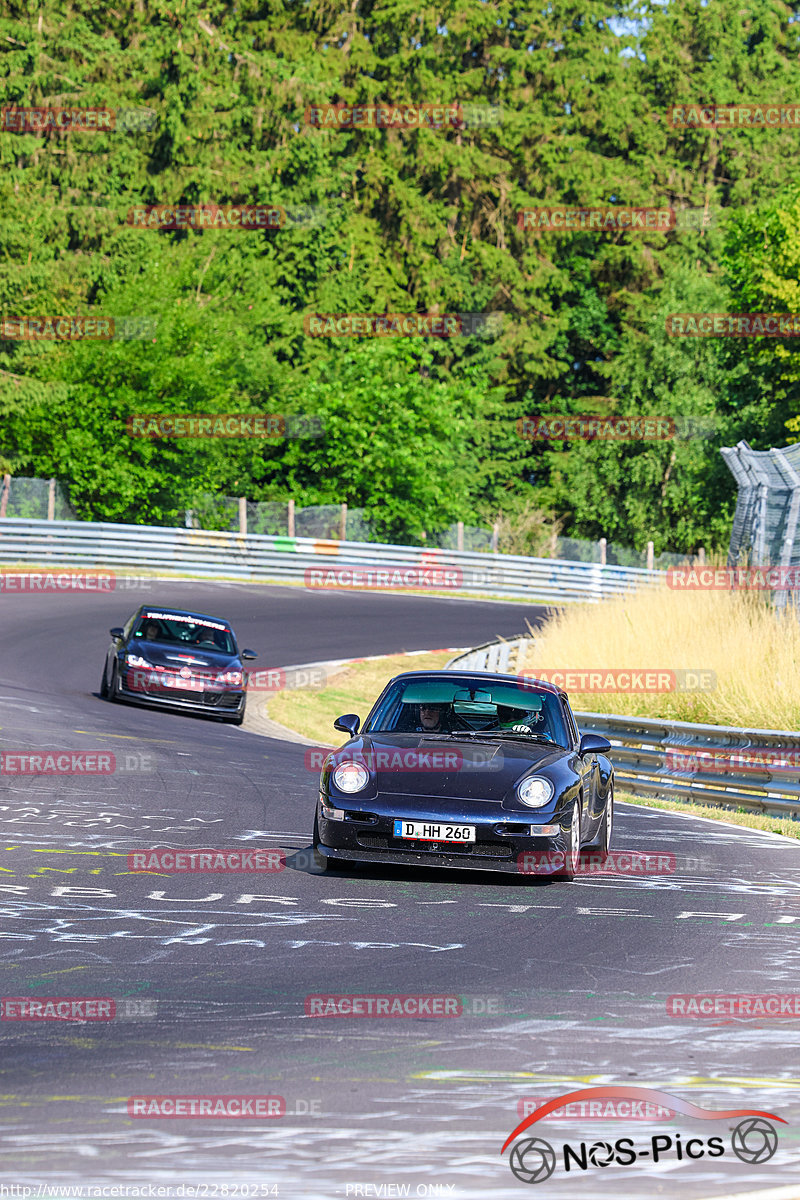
[[515, 733]]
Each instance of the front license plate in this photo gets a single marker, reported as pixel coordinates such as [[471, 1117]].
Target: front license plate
[[436, 831]]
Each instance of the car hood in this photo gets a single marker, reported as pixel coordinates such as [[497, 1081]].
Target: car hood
[[459, 768], [175, 657]]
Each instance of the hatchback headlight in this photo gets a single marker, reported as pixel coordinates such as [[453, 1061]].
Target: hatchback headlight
[[350, 777], [136, 660], [535, 792]]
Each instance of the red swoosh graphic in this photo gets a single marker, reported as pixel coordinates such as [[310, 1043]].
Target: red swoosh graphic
[[628, 1092]]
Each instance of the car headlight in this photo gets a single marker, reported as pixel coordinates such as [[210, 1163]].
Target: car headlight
[[136, 660], [234, 678], [350, 777], [535, 791]]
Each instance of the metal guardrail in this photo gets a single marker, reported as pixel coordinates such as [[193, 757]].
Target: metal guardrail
[[205, 553], [756, 769]]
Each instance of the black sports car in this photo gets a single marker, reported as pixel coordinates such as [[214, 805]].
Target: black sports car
[[465, 769], [172, 658]]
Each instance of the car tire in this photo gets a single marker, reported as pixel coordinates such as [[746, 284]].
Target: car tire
[[320, 861], [572, 847], [602, 843], [113, 687], [607, 828], [104, 681]]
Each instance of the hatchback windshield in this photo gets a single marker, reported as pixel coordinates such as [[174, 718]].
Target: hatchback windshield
[[174, 630]]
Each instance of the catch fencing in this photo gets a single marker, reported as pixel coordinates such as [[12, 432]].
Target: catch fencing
[[755, 769], [323, 563]]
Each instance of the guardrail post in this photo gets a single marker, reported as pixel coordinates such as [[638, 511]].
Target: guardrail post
[[4, 494], [459, 535], [51, 500], [343, 523], [651, 557], [603, 546], [243, 516], [701, 555], [290, 519], [495, 536]]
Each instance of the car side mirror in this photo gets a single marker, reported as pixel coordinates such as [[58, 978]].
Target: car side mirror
[[593, 743], [349, 723], [117, 632], [249, 654]]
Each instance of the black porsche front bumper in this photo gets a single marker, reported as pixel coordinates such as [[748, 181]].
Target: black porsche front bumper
[[503, 840]]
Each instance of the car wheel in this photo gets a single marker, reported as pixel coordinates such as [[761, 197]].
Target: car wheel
[[113, 687], [104, 681], [608, 821], [603, 843], [572, 848]]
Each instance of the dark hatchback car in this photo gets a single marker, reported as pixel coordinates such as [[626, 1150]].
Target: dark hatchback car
[[171, 658], [464, 769]]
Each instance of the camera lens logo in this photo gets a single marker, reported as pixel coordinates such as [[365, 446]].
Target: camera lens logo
[[601, 1154], [533, 1160], [754, 1140]]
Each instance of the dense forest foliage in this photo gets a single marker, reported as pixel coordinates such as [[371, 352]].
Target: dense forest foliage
[[419, 431]]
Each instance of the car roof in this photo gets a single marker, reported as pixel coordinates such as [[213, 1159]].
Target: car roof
[[487, 677], [168, 609]]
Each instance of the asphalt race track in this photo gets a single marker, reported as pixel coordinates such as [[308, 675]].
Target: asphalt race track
[[564, 985]]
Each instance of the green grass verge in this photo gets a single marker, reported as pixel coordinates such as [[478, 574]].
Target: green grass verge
[[312, 711]]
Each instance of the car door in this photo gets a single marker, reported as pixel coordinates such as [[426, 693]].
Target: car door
[[587, 766]]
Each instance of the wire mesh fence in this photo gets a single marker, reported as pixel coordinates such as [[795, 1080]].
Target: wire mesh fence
[[34, 499], [45, 499]]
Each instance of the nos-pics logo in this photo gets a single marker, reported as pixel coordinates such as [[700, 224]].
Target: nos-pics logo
[[533, 1160]]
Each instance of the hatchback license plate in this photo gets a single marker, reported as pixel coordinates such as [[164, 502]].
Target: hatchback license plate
[[434, 831]]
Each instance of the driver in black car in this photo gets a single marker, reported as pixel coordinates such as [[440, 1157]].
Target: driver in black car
[[434, 718]]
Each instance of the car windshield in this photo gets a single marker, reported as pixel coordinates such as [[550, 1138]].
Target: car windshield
[[448, 707], [172, 629]]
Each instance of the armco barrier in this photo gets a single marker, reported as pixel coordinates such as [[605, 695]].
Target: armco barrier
[[677, 760], [196, 552]]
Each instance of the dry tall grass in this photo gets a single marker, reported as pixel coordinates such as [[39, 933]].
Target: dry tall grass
[[754, 651]]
